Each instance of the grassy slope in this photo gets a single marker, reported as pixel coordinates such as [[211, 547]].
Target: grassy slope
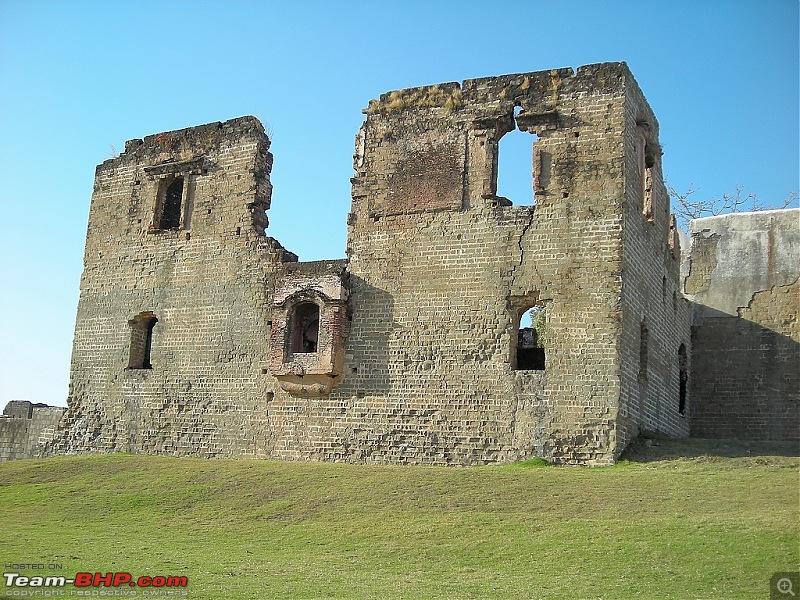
[[654, 527]]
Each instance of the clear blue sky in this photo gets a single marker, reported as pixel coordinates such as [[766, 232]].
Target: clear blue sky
[[78, 78]]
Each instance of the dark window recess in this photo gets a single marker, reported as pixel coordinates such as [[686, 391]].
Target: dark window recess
[[643, 335], [171, 204], [141, 340], [530, 342], [684, 379], [304, 328], [529, 358]]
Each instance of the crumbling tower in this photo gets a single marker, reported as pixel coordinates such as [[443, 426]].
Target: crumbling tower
[[445, 267], [173, 310]]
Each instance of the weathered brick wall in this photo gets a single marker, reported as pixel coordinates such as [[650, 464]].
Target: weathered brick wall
[[743, 280], [196, 333], [652, 304], [206, 281], [26, 429], [436, 295]]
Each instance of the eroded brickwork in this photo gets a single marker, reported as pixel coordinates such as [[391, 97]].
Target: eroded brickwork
[[654, 337], [206, 279], [198, 335], [448, 282], [26, 429]]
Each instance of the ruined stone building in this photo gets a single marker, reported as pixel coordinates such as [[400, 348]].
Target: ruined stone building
[[198, 334]]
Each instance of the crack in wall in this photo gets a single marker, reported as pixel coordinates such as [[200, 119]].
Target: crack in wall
[[522, 250]]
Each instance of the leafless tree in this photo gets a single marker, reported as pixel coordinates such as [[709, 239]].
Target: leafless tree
[[686, 206]]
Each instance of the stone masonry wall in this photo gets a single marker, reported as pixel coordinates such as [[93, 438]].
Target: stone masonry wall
[[438, 287], [655, 331], [742, 277], [197, 334], [26, 429], [205, 277]]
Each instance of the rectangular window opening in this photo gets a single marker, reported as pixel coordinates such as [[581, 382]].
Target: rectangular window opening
[[530, 340], [304, 328], [514, 166], [141, 340], [168, 206], [645, 159]]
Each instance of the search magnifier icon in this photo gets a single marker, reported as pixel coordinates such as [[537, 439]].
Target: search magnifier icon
[[784, 586]]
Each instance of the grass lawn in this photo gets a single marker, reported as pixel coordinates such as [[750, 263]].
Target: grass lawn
[[686, 519]]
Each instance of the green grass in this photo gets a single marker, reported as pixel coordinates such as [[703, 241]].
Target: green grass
[[656, 526]]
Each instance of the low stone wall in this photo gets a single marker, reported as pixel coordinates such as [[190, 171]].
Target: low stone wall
[[26, 428]]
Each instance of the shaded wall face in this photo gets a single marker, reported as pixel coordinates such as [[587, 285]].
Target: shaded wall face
[[743, 281], [655, 333]]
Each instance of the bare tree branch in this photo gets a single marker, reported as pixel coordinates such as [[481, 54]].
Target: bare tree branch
[[686, 207]]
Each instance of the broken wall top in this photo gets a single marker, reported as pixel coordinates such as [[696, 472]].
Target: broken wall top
[[191, 143], [220, 175], [435, 147], [734, 256], [538, 92]]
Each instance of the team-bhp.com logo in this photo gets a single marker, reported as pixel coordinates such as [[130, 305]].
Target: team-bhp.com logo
[[88, 580]]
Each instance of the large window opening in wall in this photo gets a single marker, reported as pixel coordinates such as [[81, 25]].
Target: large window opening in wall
[[170, 198], [515, 166], [531, 339], [643, 342], [304, 328], [141, 340], [683, 374]]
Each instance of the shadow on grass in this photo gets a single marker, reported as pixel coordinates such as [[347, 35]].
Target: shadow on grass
[[653, 447]]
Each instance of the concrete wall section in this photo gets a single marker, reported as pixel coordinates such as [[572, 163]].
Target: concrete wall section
[[742, 277]]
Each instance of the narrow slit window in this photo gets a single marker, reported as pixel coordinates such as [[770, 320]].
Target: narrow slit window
[[644, 163], [141, 340], [643, 351], [683, 382], [304, 328]]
